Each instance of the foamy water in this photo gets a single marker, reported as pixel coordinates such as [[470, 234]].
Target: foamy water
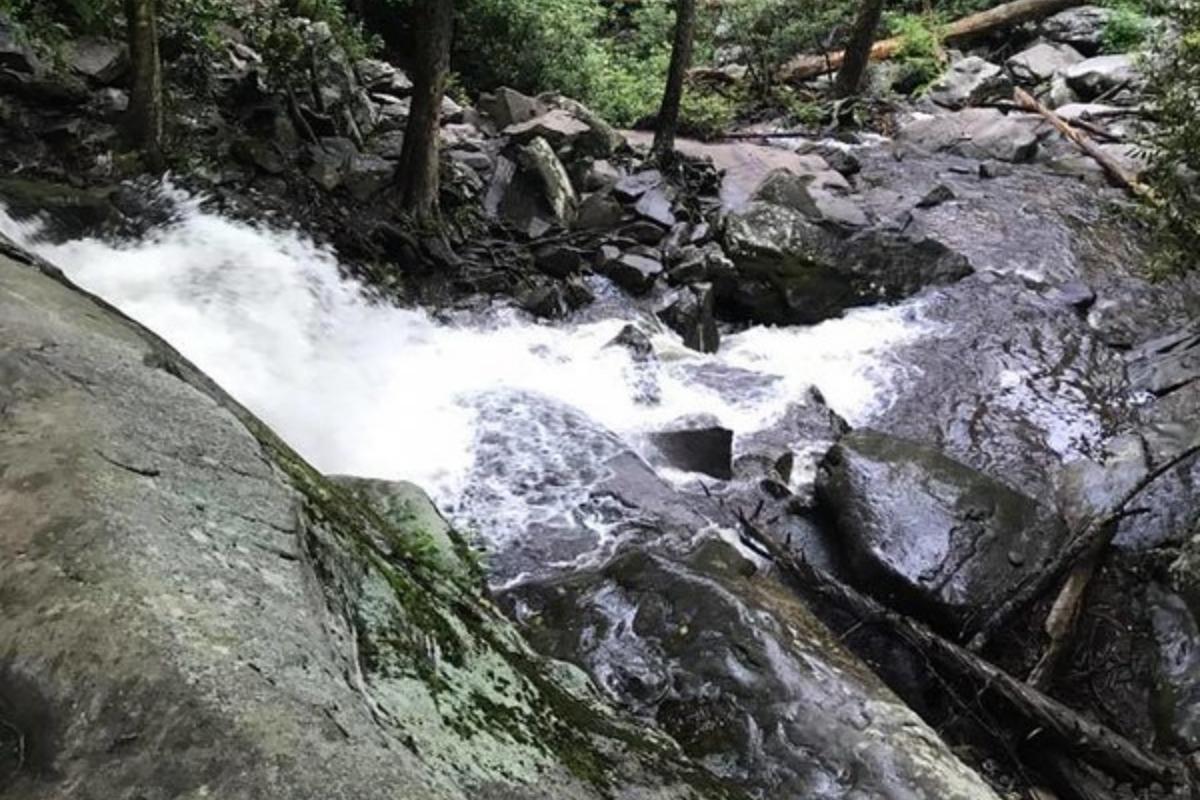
[[368, 389]]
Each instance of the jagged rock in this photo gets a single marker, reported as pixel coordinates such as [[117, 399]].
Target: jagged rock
[[936, 196], [451, 111], [262, 155], [71, 212], [330, 160], [804, 193], [15, 55], [1082, 28], [546, 301], [599, 174], [479, 162], [655, 204], [380, 76], [635, 274], [111, 102], [635, 340], [599, 211], [389, 145], [392, 113], [1059, 93], [559, 260], [538, 158], [977, 133], [508, 107], [702, 263], [1177, 688], [1042, 62], [969, 81], [632, 187], [558, 127], [368, 175], [691, 316], [739, 670], [793, 446], [601, 141], [101, 61], [240, 627], [931, 530], [697, 445], [1102, 74]]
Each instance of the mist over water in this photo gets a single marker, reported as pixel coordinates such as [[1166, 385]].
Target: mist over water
[[368, 389]]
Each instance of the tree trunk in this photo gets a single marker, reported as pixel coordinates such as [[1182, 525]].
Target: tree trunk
[[858, 49], [681, 59], [144, 121], [418, 171], [1002, 16]]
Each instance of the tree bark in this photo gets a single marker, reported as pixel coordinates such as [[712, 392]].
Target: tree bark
[[144, 120], [418, 170], [681, 59], [1003, 16], [858, 49]]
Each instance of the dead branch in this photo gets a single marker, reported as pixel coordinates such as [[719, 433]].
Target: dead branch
[[1002, 16], [1135, 187], [1044, 716], [1091, 540]]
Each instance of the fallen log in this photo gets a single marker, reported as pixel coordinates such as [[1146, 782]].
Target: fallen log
[[1002, 16], [1090, 741], [1083, 546], [1121, 175]]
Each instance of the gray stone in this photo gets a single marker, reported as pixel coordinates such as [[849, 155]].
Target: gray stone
[[1177, 685], [805, 194], [931, 529], [599, 211], [599, 174], [969, 81], [380, 76], [558, 260], [601, 141], [690, 315], [792, 447], [656, 205], [977, 133], [558, 127], [508, 107], [1103, 74], [331, 159], [697, 446], [538, 158], [1042, 62], [236, 625], [1059, 93], [633, 273], [631, 187], [262, 155], [388, 145], [101, 61], [368, 175], [1082, 28], [15, 55]]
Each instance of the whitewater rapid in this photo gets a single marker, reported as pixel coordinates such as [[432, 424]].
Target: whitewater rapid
[[368, 389]]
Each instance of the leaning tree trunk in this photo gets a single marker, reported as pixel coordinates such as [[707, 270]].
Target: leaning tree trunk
[[858, 49], [418, 172], [144, 121], [681, 59]]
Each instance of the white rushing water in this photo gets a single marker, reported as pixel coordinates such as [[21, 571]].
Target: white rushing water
[[368, 389]]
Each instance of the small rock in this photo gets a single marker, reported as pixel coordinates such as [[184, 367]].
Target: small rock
[[257, 153], [599, 174], [644, 232], [634, 186], [1042, 62], [969, 81], [655, 205], [633, 273], [599, 211], [635, 340], [558, 260], [508, 107], [994, 169], [936, 196], [546, 301]]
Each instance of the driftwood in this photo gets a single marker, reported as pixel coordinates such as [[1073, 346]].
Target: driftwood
[[1002, 16], [1110, 164], [1085, 545], [1044, 716]]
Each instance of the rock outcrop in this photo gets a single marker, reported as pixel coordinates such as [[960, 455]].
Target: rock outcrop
[[190, 610]]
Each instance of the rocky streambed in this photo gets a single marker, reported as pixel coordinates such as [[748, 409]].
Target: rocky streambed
[[919, 362]]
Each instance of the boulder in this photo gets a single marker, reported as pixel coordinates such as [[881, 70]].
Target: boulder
[[938, 535], [599, 174], [690, 315], [368, 175], [231, 624], [70, 212], [261, 155], [697, 445], [538, 158], [599, 211], [508, 107], [558, 127], [792, 447], [635, 274], [632, 187], [1103, 74], [1082, 28], [740, 672], [969, 81], [16, 56], [101, 61], [1042, 62], [1176, 628], [656, 205], [601, 141], [330, 159], [979, 133], [804, 193], [558, 260], [380, 76]]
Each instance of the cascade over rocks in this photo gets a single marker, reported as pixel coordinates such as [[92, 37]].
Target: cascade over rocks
[[239, 625]]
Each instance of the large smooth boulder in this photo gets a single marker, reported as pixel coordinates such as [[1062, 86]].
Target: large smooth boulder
[[1103, 74], [790, 269], [740, 672], [190, 610], [983, 133], [1042, 61], [935, 533], [969, 81]]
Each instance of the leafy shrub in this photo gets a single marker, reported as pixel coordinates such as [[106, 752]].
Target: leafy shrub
[[706, 115], [1173, 146], [1126, 28], [920, 55]]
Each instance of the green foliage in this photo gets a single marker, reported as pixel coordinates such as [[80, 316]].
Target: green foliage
[[1126, 29], [1173, 146], [766, 34], [706, 115], [920, 55]]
